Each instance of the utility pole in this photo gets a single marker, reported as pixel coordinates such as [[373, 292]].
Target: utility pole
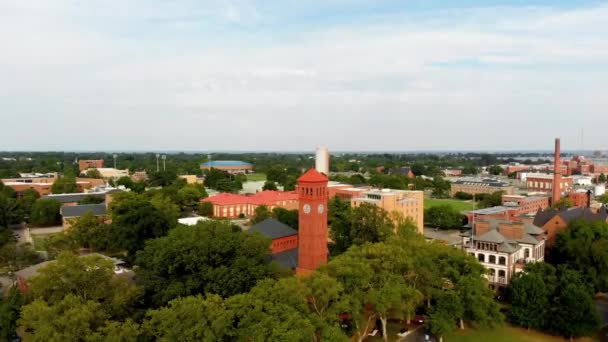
[[157, 165]]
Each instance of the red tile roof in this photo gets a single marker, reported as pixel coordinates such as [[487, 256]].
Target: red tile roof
[[312, 176], [261, 198]]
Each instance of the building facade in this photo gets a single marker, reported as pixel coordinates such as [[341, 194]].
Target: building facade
[[504, 247], [231, 206], [542, 182], [84, 165], [231, 166], [407, 204], [475, 186]]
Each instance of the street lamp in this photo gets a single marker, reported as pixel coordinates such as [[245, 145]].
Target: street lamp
[[164, 157], [157, 165]]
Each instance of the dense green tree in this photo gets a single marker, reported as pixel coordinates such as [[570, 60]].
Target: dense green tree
[[188, 197], [339, 219], [602, 198], [563, 202], [211, 257], [26, 202], [14, 257], [270, 185], [89, 199], [93, 173], [45, 212], [529, 296], [65, 184], [601, 178], [489, 200], [205, 209], [370, 223], [260, 214], [288, 217], [584, 247], [444, 217], [495, 170], [222, 181], [443, 316], [135, 219], [10, 307], [90, 231], [58, 243], [87, 278], [575, 313], [470, 170], [463, 196], [162, 178], [191, 318]]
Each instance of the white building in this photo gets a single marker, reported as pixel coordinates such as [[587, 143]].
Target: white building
[[599, 189], [504, 247], [110, 172], [582, 180], [322, 160]]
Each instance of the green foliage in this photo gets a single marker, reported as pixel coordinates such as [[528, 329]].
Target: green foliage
[[444, 217], [89, 199], [205, 209], [211, 257], [93, 173], [285, 216], [559, 301], [602, 198], [188, 197], [222, 181], [87, 278], [270, 185], [563, 202], [65, 184], [9, 207], [90, 231], [470, 170], [489, 200], [10, 307], [191, 318], [162, 178], [495, 170], [260, 214], [584, 247], [529, 297], [45, 212], [601, 178], [463, 196], [16, 257], [136, 219], [58, 243], [356, 226], [128, 183]]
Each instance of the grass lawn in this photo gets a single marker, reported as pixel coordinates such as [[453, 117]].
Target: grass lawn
[[456, 204], [503, 334], [254, 177]]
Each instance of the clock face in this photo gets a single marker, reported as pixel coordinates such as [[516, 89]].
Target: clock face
[[306, 208], [321, 208]]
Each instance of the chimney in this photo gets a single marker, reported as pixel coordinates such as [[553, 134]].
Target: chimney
[[557, 172]]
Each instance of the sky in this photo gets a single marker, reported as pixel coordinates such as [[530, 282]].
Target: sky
[[291, 75]]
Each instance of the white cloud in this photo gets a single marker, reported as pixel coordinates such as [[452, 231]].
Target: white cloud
[[487, 78]]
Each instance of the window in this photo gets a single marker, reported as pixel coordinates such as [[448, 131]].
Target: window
[[501, 273], [526, 253], [502, 261], [492, 259], [481, 257]]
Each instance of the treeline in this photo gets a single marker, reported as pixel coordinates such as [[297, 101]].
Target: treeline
[[211, 282], [558, 296]]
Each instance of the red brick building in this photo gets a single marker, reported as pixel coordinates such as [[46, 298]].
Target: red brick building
[[83, 165], [313, 232], [284, 238], [543, 182], [227, 205], [554, 221]]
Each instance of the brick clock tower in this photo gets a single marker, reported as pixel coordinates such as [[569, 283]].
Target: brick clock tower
[[312, 231]]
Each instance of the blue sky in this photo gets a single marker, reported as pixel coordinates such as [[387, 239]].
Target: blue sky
[[293, 75]]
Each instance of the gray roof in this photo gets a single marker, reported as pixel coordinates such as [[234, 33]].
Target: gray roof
[[79, 210], [491, 236], [490, 210], [507, 247], [74, 198], [483, 181], [287, 259], [273, 229], [570, 214], [31, 271]]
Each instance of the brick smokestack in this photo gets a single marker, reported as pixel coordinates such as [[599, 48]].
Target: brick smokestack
[[557, 172]]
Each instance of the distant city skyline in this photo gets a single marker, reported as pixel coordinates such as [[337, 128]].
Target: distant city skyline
[[247, 75]]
